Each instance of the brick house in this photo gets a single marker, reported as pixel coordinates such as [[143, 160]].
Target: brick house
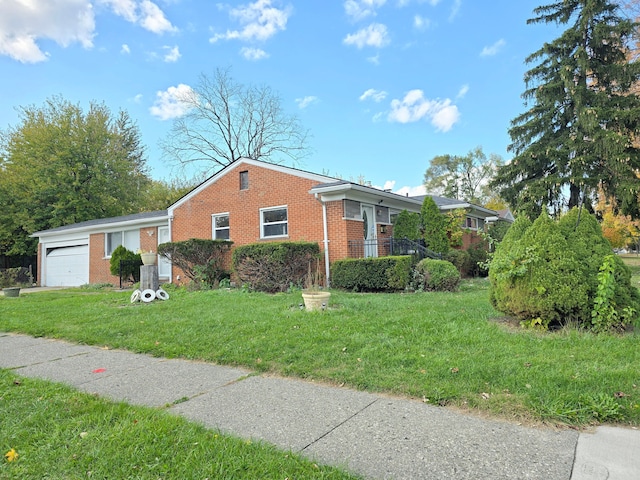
[[248, 201]]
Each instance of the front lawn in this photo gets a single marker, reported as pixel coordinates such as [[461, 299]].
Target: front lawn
[[443, 348]]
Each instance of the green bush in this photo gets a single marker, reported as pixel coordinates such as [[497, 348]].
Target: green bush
[[201, 260], [274, 266], [131, 269], [15, 277], [434, 225], [546, 273], [460, 259], [478, 256], [407, 225], [436, 275], [372, 274]]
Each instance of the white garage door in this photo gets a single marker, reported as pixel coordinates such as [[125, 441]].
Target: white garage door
[[67, 266]]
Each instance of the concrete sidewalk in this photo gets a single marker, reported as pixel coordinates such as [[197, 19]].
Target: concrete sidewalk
[[376, 436]]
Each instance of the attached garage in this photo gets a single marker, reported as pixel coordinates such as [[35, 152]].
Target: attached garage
[[67, 266]]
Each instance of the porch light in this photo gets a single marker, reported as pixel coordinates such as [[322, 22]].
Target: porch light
[[383, 229]]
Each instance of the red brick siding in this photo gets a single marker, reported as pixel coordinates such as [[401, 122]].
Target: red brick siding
[[267, 188], [99, 265]]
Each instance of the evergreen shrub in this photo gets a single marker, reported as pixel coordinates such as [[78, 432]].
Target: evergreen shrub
[[130, 269], [372, 274], [546, 273], [201, 260], [436, 275], [460, 259], [275, 266]]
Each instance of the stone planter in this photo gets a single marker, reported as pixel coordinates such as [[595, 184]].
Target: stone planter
[[148, 258], [316, 300], [11, 292]]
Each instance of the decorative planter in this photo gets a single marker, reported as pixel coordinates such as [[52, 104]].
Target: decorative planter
[[11, 292], [315, 300], [148, 258]]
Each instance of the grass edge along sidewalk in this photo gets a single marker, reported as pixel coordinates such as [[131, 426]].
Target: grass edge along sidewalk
[[53, 431], [442, 348]]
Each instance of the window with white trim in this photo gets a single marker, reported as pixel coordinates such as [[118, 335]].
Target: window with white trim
[[474, 223], [220, 226], [129, 238], [274, 222]]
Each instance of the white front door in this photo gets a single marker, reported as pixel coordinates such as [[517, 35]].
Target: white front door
[[369, 226], [164, 265]]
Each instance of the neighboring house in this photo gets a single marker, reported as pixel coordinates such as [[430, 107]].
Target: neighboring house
[[248, 201]]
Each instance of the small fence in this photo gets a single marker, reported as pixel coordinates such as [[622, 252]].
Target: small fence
[[129, 271], [384, 247]]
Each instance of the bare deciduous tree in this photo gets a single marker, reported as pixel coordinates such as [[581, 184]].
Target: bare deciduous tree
[[226, 121]]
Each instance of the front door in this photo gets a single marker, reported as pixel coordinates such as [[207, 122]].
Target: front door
[[369, 224], [164, 265]]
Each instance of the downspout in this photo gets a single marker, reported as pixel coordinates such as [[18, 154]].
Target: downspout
[[325, 241], [170, 225]]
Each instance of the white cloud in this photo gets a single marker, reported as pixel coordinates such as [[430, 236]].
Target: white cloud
[[172, 55], [375, 60], [23, 23], [137, 98], [144, 13], [123, 8], [253, 53], [153, 19], [493, 49], [306, 101], [463, 91], [172, 102], [359, 9], [259, 20], [420, 22], [411, 191], [415, 107], [375, 95], [125, 49], [375, 35]]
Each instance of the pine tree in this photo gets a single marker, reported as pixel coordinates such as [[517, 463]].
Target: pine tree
[[579, 133]]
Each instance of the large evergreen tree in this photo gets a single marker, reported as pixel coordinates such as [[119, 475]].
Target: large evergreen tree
[[62, 165], [578, 134]]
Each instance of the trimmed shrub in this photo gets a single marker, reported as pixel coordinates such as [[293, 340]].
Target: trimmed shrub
[[131, 267], [436, 276], [201, 260], [275, 266], [546, 273], [372, 274]]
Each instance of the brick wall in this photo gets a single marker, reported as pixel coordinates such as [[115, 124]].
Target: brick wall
[[267, 188]]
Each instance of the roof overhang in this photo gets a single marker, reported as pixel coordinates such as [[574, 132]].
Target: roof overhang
[[102, 227], [330, 192]]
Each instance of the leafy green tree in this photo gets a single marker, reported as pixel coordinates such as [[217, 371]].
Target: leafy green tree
[[62, 165], [463, 176], [434, 226], [160, 193], [579, 133]]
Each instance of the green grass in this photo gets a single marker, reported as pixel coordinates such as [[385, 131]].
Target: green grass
[[444, 348], [58, 432]]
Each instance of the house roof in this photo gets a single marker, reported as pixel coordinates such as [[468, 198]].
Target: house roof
[[134, 218], [445, 203]]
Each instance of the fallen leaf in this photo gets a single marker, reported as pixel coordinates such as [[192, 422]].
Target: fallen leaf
[[455, 370], [17, 382], [99, 370], [11, 455], [485, 395], [527, 364], [83, 434], [620, 395]]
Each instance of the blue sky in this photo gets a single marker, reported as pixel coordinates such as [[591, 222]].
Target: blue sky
[[382, 85]]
